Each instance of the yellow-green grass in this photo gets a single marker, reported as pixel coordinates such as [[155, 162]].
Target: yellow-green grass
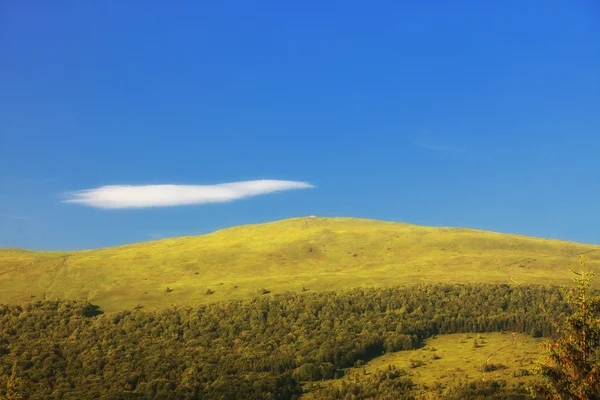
[[453, 359], [317, 253]]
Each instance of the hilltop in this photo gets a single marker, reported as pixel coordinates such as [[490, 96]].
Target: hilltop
[[312, 253]]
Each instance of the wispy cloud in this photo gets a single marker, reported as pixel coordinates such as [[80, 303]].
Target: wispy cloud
[[445, 148], [12, 216], [142, 196]]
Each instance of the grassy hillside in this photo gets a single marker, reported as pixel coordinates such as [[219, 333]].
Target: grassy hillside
[[449, 360], [315, 253]]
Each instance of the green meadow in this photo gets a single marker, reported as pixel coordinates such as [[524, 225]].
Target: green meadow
[[313, 253], [450, 360]]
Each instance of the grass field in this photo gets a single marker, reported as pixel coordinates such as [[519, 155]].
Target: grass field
[[453, 359], [316, 253]]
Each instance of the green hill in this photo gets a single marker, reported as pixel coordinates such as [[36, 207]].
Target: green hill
[[447, 360], [313, 253]]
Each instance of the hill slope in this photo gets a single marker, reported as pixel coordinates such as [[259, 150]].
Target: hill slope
[[450, 359], [316, 253]]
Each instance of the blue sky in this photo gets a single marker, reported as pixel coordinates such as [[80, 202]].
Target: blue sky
[[470, 113]]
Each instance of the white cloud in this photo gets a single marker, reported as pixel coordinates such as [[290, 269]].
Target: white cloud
[[142, 196]]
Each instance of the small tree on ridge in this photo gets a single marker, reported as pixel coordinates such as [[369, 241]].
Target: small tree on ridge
[[572, 370]]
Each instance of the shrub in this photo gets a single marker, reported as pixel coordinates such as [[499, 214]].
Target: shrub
[[493, 367], [521, 372], [415, 363]]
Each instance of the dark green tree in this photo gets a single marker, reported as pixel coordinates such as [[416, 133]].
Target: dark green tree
[[572, 370], [15, 389]]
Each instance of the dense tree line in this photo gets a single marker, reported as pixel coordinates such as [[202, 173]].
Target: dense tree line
[[251, 349], [391, 384], [486, 390]]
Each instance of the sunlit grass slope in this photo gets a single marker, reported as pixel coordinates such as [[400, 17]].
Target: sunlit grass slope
[[313, 252], [447, 360]]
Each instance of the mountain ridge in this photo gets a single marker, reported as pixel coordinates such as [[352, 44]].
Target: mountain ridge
[[235, 227], [314, 253]]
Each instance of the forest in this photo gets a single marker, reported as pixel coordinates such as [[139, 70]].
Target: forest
[[263, 348]]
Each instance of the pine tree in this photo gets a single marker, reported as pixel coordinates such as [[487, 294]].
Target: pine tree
[[572, 370], [14, 387]]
